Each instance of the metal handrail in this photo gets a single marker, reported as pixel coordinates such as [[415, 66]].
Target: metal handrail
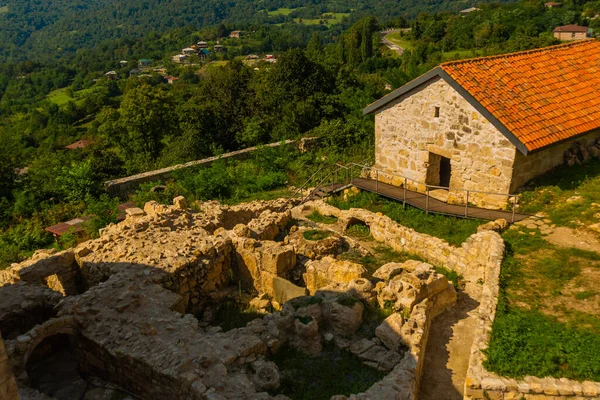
[[428, 187], [433, 186]]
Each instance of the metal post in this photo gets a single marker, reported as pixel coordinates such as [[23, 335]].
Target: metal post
[[376, 181], [514, 206], [467, 205], [404, 202], [427, 199]]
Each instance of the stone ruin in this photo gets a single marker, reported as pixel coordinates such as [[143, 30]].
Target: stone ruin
[[132, 311]]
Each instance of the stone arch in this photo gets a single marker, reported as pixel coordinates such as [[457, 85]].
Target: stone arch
[[352, 221], [26, 344]]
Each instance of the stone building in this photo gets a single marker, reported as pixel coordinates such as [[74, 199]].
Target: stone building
[[571, 32], [490, 124]]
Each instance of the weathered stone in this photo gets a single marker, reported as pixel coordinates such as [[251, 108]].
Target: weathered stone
[[388, 271], [389, 332], [284, 290]]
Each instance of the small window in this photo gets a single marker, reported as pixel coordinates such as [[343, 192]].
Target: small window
[[437, 112]]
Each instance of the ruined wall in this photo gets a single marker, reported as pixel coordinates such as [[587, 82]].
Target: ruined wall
[[406, 131], [471, 259], [8, 386], [535, 164], [123, 187]]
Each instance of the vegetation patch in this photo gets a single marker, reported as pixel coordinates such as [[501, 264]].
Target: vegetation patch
[[316, 216], [333, 371], [373, 317], [347, 301], [380, 256], [3, 9], [233, 314], [549, 193], [315, 234], [360, 232], [454, 230], [547, 322]]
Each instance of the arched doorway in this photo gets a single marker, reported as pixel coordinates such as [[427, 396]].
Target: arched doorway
[[53, 368]]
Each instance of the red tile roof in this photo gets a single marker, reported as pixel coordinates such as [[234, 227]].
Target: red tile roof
[[571, 28], [75, 224], [80, 144], [541, 96]]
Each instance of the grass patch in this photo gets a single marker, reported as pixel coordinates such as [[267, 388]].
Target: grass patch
[[327, 19], [549, 192], [381, 256], [232, 314], [266, 195], [453, 230], [316, 216], [558, 267], [360, 232], [315, 234], [527, 342], [372, 318], [400, 40], [585, 294], [333, 371], [282, 11], [538, 330], [60, 97], [3, 9], [347, 301], [455, 278]]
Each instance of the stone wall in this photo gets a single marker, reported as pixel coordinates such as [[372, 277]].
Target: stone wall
[[537, 163], [410, 140], [570, 35], [123, 187], [8, 386], [472, 259]]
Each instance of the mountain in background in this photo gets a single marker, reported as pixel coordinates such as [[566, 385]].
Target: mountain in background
[[47, 29]]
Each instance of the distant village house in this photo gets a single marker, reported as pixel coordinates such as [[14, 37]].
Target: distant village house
[[179, 58], [552, 4], [469, 10], [144, 62], [571, 32], [235, 34], [202, 45], [111, 75], [80, 144], [491, 124]]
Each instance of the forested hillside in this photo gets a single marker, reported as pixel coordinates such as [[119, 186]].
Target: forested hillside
[[48, 29]]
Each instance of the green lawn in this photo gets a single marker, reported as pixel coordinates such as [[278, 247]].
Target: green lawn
[[548, 323], [60, 97], [3, 9], [282, 11], [408, 44], [328, 19], [400, 41]]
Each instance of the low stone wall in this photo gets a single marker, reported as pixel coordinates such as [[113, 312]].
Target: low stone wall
[[123, 187], [479, 254]]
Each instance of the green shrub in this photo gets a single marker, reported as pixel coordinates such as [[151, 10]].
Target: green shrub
[[360, 232], [333, 371], [315, 234], [316, 216], [347, 301]]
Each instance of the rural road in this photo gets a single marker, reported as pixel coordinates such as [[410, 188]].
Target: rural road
[[388, 43]]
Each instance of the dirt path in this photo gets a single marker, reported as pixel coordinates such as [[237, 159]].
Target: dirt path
[[449, 347], [580, 239]]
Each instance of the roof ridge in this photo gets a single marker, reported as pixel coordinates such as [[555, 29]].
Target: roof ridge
[[516, 53]]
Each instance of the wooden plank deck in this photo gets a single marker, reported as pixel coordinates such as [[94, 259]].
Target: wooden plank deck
[[419, 200]]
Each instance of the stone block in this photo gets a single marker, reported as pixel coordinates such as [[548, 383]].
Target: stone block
[[389, 332], [284, 290]]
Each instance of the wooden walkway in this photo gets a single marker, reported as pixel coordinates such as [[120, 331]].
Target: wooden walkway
[[419, 200]]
